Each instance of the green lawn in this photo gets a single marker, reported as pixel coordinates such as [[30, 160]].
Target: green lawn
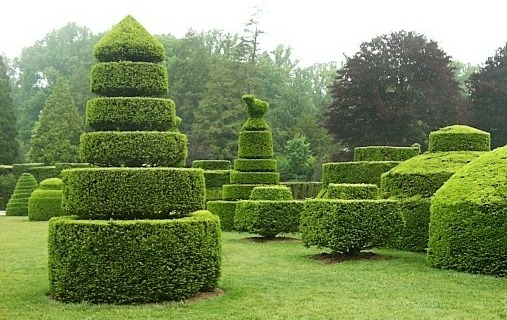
[[274, 280]]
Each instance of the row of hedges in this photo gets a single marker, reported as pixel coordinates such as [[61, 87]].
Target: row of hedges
[[368, 172], [304, 190], [352, 191], [385, 153]]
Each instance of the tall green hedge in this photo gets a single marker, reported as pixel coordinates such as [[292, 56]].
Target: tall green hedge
[[459, 138], [212, 164], [276, 192], [368, 172], [237, 191], [133, 261], [46, 201], [468, 222], [18, 202], [133, 148], [238, 177], [133, 193], [352, 191], [255, 165], [385, 153], [216, 178], [304, 189], [255, 145], [225, 210]]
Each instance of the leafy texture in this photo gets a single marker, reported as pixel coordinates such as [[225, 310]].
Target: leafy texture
[[46, 201], [225, 210], [459, 138], [385, 153], [212, 164], [18, 202], [368, 172], [304, 190], [8, 132], [348, 191], [271, 193], [255, 165]]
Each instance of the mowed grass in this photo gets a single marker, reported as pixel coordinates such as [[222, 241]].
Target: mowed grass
[[274, 280]]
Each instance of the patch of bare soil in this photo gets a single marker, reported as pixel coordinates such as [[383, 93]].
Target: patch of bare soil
[[363, 255], [201, 296]]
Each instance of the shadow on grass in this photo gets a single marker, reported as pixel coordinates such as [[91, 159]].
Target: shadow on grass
[[259, 239], [328, 258]]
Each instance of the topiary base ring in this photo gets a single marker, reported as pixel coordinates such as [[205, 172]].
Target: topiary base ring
[[135, 261]]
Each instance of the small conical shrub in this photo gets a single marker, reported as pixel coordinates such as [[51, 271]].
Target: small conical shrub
[[18, 203]]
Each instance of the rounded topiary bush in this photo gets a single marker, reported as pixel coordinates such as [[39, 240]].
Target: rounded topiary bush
[[255, 165], [468, 222], [255, 145], [459, 138], [46, 201], [133, 193], [18, 202], [349, 191], [133, 261], [133, 148], [130, 114], [212, 164], [385, 153], [271, 193]]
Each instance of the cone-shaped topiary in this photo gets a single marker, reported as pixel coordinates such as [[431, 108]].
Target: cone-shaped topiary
[[46, 201], [18, 203]]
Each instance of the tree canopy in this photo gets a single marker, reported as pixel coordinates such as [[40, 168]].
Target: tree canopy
[[8, 132]]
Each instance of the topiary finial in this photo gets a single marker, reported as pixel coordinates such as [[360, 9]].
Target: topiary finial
[[255, 109]]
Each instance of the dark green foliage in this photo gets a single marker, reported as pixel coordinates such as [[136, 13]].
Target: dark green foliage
[[355, 172], [129, 41], [131, 114], [271, 193], [128, 79], [216, 178], [468, 222], [8, 131], [297, 159], [133, 193], [238, 177], [255, 165], [255, 145], [352, 191], [7, 185], [18, 202], [212, 164], [225, 210], [55, 136], [135, 261], [46, 201], [268, 218], [133, 148], [237, 191], [304, 190], [43, 173], [424, 174], [70, 165], [214, 193], [255, 109], [20, 168], [349, 226], [385, 153], [459, 138]]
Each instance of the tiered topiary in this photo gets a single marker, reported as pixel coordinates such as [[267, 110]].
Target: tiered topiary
[[18, 202], [414, 181], [46, 201], [385, 153], [302, 190], [216, 174], [255, 165], [468, 224], [117, 260]]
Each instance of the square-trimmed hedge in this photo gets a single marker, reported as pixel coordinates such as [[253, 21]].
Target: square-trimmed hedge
[[255, 165], [385, 153], [459, 138], [212, 164], [352, 191], [238, 177], [255, 145], [225, 210], [304, 189], [214, 193], [237, 191], [216, 178], [274, 192], [355, 172]]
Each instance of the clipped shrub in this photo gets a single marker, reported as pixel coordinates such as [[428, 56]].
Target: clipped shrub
[[69, 165], [130, 114], [216, 178], [7, 184], [212, 164], [133, 148], [46, 201], [214, 193], [133, 193], [255, 145], [20, 168], [225, 210], [468, 221], [255, 165], [134, 261], [276, 192], [268, 218], [459, 138], [45, 172], [238, 177], [368, 172], [18, 202], [129, 41], [128, 79], [385, 153], [349, 226], [424, 174], [255, 109], [349, 191], [237, 191], [305, 189]]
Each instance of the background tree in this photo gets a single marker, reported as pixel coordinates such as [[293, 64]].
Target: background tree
[[56, 134], [8, 143], [395, 90], [488, 97], [297, 161]]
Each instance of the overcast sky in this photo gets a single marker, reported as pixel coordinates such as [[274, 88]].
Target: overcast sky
[[317, 30]]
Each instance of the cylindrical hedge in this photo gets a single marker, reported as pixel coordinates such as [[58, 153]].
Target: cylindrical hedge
[[385, 153], [255, 165], [237, 191], [18, 202], [216, 178], [271, 193], [225, 210], [133, 193], [46, 201], [135, 261], [255, 145], [355, 172], [459, 138], [352, 191], [212, 164], [133, 148], [238, 177], [130, 114], [129, 79]]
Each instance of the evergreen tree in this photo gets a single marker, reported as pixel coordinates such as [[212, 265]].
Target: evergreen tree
[[297, 160], [55, 136], [8, 143]]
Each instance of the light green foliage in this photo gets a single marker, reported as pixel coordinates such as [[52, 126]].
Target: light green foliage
[[238, 177], [297, 159], [237, 191], [255, 145], [355, 172], [255, 109], [225, 210], [7, 184], [348, 191], [8, 131], [276, 192], [255, 165], [349, 226], [468, 224], [459, 138], [214, 193], [113, 265], [304, 189], [55, 137], [133, 193], [18, 202], [46, 201], [212, 164], [129, 41], [385, 153]]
